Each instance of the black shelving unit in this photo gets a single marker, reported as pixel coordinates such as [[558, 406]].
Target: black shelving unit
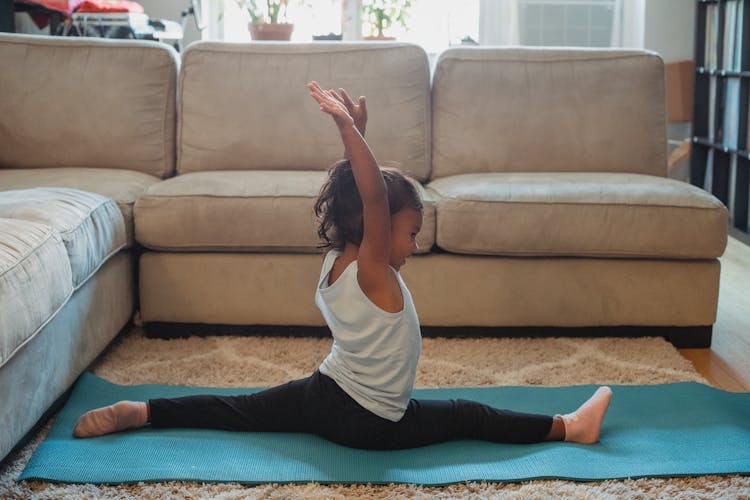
[[720, 160]]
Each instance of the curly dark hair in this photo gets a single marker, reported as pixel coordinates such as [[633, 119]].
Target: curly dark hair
[[339, 206]]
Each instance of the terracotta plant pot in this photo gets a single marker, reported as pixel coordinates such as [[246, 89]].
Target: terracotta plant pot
[[266, 31]]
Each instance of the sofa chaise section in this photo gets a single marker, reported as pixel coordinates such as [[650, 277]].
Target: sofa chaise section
[[86, 125], [56, 242]]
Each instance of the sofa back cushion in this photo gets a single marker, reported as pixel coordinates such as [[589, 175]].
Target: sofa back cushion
[[246, 107], [553, 110], [87, 102]]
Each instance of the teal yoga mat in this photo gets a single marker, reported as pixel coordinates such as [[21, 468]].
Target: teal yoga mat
[[650, 431]]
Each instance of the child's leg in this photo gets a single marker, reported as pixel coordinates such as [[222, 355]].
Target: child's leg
[[428, 422], [277, 409], [434, 421]]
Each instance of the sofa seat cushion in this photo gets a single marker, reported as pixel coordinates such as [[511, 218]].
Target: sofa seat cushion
[[90, 225], [578, 214], [257, 211], [35, 281], [122, 186]]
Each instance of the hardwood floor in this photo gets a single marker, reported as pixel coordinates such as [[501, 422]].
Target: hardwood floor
[[727, 364]]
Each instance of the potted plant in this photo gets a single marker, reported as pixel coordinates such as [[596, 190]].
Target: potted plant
[[267, 20], [379, 15]]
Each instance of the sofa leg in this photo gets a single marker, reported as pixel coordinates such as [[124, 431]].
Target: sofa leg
[[691, 337], [682, 337]]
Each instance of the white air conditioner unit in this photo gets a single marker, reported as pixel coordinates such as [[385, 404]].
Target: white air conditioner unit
[[581, 23]]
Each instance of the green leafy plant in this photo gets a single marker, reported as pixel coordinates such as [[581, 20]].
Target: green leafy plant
[[270, 11], [379, 15]]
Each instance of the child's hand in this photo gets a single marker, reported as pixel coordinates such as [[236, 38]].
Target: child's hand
[[332, 104], [357, 111]]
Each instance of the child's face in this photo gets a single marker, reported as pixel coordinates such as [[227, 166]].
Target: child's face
[[405, 225]]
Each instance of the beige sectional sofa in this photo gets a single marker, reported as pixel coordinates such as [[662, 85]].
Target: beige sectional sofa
[[543, 175]]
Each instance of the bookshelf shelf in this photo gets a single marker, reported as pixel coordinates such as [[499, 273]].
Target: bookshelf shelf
[[702, 141], [720, 160], [722, 72]]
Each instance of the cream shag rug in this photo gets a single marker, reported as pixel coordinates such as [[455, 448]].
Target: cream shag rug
[[260, 361]]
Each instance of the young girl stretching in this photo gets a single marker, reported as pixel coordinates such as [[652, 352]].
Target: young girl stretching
[[361, 394]]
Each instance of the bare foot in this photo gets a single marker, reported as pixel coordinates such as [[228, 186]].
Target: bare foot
[[585, 424], [117, 417]]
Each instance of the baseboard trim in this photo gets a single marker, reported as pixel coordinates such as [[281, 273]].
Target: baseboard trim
[[682, 337]]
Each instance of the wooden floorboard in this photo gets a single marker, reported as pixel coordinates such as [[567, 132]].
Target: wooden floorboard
[[727, 364]]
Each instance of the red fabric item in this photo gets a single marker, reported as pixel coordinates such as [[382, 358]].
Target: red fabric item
[[41, 20], [41, 16], [110, 6], [65, 7]]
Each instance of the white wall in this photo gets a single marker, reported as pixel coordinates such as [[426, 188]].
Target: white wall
[[669, 28], [170, 9]]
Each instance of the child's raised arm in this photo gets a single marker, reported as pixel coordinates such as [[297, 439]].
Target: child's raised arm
[[373, 257]]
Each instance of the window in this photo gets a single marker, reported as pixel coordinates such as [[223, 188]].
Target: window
[[310, 17], [434, 24], [437, 24]]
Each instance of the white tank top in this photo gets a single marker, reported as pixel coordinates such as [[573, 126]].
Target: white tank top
[[375, 352]]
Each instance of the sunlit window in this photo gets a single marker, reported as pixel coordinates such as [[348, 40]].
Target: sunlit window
[[438, 24], [310, 17], [434, 24]]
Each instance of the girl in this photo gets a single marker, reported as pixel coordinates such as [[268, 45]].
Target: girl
[[361, 394]]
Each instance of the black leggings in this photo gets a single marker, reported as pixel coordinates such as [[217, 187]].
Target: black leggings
[[317, 405]]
